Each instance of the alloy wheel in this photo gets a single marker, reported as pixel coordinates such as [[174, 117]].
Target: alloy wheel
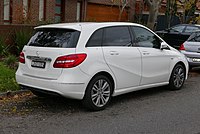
[[100, 93], [179, 76]]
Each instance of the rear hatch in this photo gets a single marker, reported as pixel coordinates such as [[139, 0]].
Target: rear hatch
[[192, 46], [45, 46], [193, 43]]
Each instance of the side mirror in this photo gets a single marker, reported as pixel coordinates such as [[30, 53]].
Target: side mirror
[[164, 46]]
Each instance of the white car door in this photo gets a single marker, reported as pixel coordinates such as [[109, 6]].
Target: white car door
[[123, 59], [155, 62]]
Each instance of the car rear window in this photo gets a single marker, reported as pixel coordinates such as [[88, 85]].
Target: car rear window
[[59, 38], [195, 37]]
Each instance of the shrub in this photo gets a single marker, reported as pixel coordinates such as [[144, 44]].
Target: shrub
[[11, 61], [2, 47], [21, 38]]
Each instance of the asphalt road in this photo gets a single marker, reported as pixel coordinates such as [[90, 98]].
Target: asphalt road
[[152, 111]]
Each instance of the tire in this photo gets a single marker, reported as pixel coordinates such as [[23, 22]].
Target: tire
[[190, 68], [177, 77], [98, 93]]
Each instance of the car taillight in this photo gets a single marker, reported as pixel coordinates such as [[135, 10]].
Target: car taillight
[[69, 61], [182, 47], [21, 58]]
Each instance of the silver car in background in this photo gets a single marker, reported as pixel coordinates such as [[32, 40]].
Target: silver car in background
[[191, 49]]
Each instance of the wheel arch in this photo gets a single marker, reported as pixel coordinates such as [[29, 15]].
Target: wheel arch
[[172, 84], [87, 99], [108, 75], [183, 64]]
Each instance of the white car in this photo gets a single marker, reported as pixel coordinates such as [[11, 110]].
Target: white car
[[94, 61]]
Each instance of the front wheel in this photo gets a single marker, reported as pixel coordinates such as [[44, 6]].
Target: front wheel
[[98, 93], [177, 77]]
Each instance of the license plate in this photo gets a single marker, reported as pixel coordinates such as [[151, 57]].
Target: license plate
[[195, 60], [38, 64]]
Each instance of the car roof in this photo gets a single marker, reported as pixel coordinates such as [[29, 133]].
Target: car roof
[[187, 25], [80, 25]]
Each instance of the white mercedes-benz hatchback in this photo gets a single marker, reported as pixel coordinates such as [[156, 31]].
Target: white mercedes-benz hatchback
[[94, 61]]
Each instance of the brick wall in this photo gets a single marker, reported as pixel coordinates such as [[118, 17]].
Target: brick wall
[[69, 14], [7, 33], [1, 12], [83, 10], [50, 10], [33, 13], [17, 12], [70, 10], [18, 17]]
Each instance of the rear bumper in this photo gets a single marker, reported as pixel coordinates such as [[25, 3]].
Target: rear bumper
[[190, 56], [193, 64], [69, 86], [32, 89]]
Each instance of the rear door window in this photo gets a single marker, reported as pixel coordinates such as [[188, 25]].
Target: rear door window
[[190, 29], [195, 37], [117, 36], [179, 28], [59, 38], [96, 39]]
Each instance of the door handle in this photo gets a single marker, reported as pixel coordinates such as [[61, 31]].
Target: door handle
[[114, 53], [145, 53]]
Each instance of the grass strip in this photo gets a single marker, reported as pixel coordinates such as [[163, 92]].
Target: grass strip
[[7, 79]]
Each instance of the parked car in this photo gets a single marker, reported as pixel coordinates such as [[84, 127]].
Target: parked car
[[94, 61], [176, 35], [191, 49]]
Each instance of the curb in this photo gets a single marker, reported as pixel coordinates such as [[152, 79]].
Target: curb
[[13, 93]]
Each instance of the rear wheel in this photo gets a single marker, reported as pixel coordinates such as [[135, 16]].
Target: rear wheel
[[177, 77], [98, 93]]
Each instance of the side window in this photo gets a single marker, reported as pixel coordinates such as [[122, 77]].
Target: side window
[[177, 29], [195, 37], [117, 36], [190, 29], [96, 39], [145, 38]]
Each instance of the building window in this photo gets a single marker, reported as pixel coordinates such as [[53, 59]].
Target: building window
[[42, 10], [25, 8], [7, 11], [78, 12], [58, 11]]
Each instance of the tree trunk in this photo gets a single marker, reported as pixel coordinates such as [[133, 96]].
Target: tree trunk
[[121, 9], [120, 15], [132, 10], [153, 13], [141, 7]]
